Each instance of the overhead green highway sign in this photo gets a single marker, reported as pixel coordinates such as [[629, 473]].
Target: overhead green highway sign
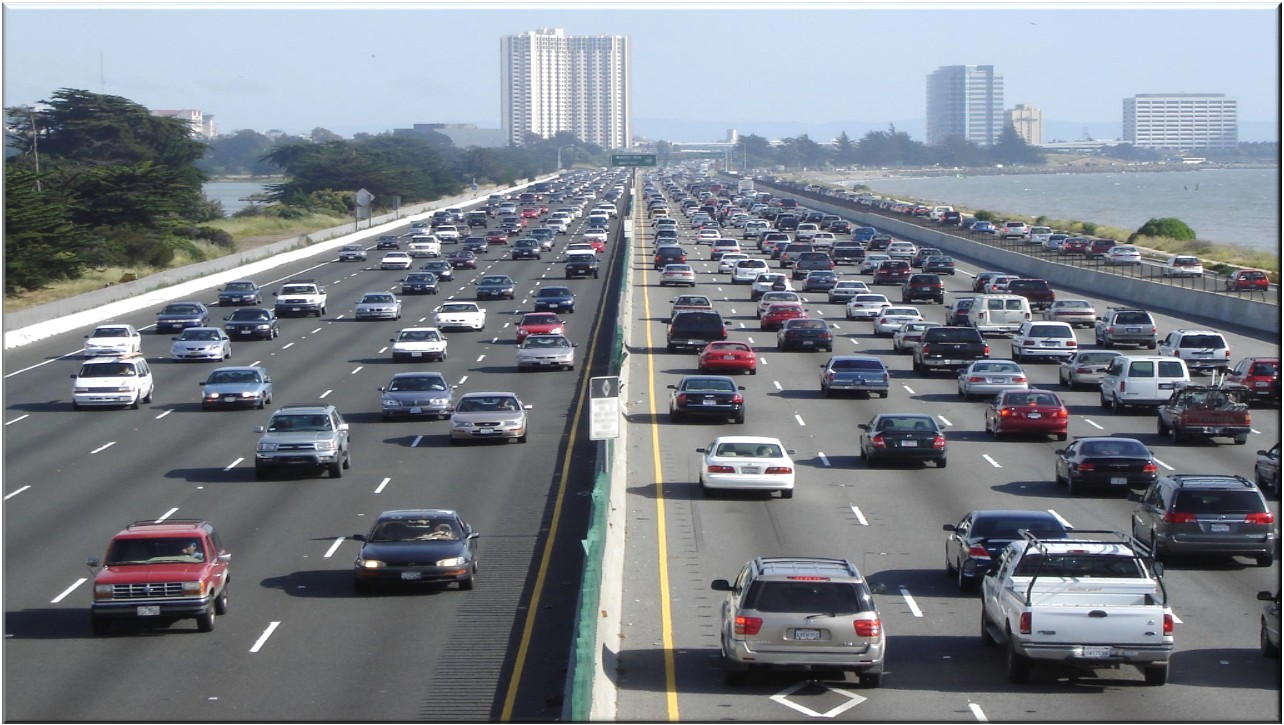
[[699, 154], [633, 159]]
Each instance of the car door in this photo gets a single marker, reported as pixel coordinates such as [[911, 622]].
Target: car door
[[956, 545]]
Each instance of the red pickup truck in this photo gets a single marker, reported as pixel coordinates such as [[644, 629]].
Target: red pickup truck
[[159, 572], [1207, 411]]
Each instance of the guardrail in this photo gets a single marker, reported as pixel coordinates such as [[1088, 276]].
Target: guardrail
[[1122, 284]]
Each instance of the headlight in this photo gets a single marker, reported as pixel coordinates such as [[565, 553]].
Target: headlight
[[453, 561], [268, 446], [370, 563], [515, 421], [455, 423], [123, 389], [262, 327], [391, 403], [249, 394], [103, 591], [79, 389], [195, 588], [211, 395], [325, 445]]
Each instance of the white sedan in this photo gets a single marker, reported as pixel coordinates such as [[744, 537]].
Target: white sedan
[[418, 343], [872, 261], [747, 463], [395, 260], [727, 262], [890, 319], [595, 234], [1123, 254], [706, 236], [108, 340], [459, 316], [866, 306]]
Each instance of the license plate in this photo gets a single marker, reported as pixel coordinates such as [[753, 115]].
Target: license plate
[[1034, 415], [416, 411], [708, 401], [410, 576], [808, 343], [296, 309], [733, 357], [1261, 385], [1219, 528], [1133, 329], [998, 380], [1096, 651], [245, 332], [909, 444], [1118, 480], [150, 610], [485, 431], [807, 634], [416, 354], [750, 469]]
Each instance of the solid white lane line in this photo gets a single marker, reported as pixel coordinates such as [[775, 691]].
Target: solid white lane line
[[977, 712], [68, 590], [102, 448], [15, 493], [167, 514], [799, 419], [263, 638], [234, 464], [333, 548], [944, 420], [908, 389], [859, 516], [357, 370], [910, 601], [15, 420], [326, 393], [382, 484], [162, 415], [1092, 423], [823, 460], [1060, 518], [992, 462], [1165, 465]]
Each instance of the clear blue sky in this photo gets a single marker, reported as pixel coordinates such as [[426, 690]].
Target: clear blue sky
[[354, 68]]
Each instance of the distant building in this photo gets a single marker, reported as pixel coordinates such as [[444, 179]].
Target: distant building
[[552, 82], [1180, 121], [1027, 121], [202, 125], [462, 135], [964, 101]]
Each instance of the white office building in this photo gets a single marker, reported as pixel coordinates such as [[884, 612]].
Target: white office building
[[965, 101], [554, 82], [1180, 121]]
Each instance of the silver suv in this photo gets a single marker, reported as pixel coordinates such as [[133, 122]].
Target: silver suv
[[1206, 515], [303, 436], [1126, 326], [802, 613]]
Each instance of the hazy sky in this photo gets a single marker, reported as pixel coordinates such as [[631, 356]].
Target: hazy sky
[[371, 68]]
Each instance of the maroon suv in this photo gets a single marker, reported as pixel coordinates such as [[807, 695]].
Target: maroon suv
[[1037, 291], [893, 271]]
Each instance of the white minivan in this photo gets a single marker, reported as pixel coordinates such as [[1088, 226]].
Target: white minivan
[[999, 313], [1141, 380]]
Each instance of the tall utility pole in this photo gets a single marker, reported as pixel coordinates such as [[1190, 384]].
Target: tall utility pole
[[35, 149]]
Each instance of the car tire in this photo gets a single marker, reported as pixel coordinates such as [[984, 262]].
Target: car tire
[[1156, 675], [1160, 427], [336, 470], [1062, 436], [1072, 488], [870, 680], [1018, 665], [1176, 434], [467, 584], [1268, 649], [205, 621], [940, 463], [1241, 439], [220, 604], [965, 584], [1264, 560]]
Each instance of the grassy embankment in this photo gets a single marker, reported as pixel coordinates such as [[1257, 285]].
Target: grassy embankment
[[247, 232]]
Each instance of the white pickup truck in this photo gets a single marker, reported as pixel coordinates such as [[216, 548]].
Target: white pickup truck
[[300, 297], [1095, 600]]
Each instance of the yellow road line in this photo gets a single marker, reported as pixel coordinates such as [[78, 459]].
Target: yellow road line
[[519, 665], [661, 531]]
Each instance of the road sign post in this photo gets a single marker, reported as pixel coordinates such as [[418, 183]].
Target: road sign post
[[633, 159], [604, 408]]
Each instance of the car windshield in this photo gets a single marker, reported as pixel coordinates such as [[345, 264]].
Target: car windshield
[[1124, 448], [239, 287], [486, 404], [107, 370], [168, 550], [223, 377], [181, 310], [421, 278], [377, 298], [707, 385], [419, 336], [806, 596], [297, 289], [554, 292], [496, 280], [199, 334], [543, 341], [416, 530], [460, 307], [110, 332], [417, 383], [299, 422]]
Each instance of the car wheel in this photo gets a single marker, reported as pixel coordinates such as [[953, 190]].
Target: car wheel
[[1018, 665], [336, 470], [347, 459], [220, 604], [1105, 402], [205, 622], [950, 569], [870, 679], [1268, 648], [1071, 487], [1062, 436], [1156, 674], [1241, 439], [1065, 382], [467, 584], [966, 584], [1264, 560], [940, 463], [1160, 427], [1176, 434]]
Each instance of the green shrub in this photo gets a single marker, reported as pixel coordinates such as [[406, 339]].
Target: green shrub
[[1166, 227]]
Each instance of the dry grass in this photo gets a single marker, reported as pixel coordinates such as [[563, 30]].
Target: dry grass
[[242, 228]]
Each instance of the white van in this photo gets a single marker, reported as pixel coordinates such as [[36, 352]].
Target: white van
[[424, 245], [938, 212], [1141, 380], [999, 313]]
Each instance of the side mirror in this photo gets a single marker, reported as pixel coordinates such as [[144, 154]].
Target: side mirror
[[791, 451], [258, 429], [380, 389], [528, 407], [721, 585], [224, 557], [473, 535], [358, 537], [1261, 596], [92, 562], [948, 527], [863, 426]]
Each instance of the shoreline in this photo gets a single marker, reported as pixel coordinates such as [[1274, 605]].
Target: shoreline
[[1087, 166]]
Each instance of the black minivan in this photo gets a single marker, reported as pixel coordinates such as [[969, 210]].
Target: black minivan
[[695, 329]]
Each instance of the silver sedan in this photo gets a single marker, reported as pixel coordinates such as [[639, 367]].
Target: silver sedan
[[378, 306], [233, 387], [1085, 367], [989, 377]]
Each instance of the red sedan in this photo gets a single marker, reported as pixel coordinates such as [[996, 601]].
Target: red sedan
[[530, 212], [497, 236], [1248, 280], [539, 323], [774, 318], [720, 357], [1027, 411]]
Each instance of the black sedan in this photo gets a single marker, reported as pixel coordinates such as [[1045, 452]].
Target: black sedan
[[902, 436], [555, 299], [939, 264], [706, 396], [416, 546], [178, 316], [819, 281], [1105, 462], [419, 283], [463, 259], [476, 245], [442, 268], [975, 541], [251, 322], [496, 287], [805, 334]]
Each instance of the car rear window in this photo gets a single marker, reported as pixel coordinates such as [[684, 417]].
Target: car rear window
[[960, 334], [856, 365], [1132, 318], [1218, 502], [808, 596], [1125, 448], [698, 321], [1201, 341], [1055, 331]]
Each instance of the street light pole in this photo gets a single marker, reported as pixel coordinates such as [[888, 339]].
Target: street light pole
[[559, 155]]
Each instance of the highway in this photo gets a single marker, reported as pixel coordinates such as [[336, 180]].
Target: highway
[[297, 643], [888, 522]]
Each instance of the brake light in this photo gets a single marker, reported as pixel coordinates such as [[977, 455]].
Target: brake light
[[1072, 343], [737, 398], [1061, 413], [1005, 412], [780, 469], [1168, 624], [1025, 623], [800, 578], [1150, 468], [938, 441], [720, 469], [868, 627], [978, 552], [976, 379], [1174, 517], [747, 625], [1019, 379], [1123, 385], [987, 350], [1265, 517], [1086, 467], [682, 398], [878, 441]]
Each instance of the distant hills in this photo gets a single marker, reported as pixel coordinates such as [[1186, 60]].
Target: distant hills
[[670, 129]]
